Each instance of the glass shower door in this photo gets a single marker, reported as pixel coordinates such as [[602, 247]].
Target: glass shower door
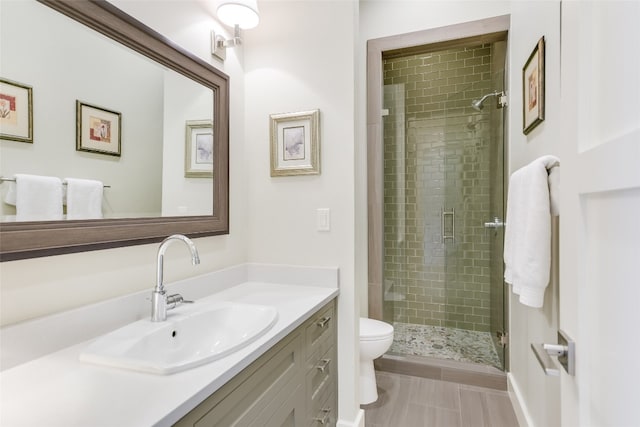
[[443, 179]]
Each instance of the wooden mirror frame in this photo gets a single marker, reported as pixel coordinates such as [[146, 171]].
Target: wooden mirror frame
[[21, 240]]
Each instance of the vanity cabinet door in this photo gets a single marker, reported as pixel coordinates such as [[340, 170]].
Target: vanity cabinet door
[[287, 410], [251, 396]]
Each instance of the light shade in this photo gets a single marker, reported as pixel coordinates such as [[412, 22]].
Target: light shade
[[243, 13]]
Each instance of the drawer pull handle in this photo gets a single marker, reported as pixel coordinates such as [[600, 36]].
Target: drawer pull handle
[[324, 363], [325, 417], [323, 322]]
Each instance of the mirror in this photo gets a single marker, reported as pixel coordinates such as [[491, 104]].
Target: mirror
[[162, 192], [68, 63]]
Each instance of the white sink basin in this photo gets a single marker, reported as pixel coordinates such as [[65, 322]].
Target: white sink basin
[[192, 338]]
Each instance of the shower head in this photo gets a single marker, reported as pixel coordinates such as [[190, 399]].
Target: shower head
[[476, 104]]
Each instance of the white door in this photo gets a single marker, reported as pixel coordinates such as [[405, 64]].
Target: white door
[[600, 212]]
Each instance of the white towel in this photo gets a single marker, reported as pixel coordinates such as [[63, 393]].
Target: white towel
[[38, 198], [527, 245], [84, 198], [10, 197]]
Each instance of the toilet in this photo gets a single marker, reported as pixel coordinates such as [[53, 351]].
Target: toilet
[[375, 338]]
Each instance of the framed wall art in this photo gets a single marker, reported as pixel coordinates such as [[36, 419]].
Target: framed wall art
[[295, 143], [199, 149], [98, 130], [533, 89], [16, 111]]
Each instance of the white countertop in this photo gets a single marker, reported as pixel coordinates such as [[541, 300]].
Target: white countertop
[[59, 390]]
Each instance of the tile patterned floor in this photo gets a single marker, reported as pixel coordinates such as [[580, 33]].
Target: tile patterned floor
[[407, 401], [444, 343]]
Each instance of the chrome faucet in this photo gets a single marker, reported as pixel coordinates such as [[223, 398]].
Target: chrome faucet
[[160, 301]]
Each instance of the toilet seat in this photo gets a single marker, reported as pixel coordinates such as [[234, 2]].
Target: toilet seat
[[373, 330]]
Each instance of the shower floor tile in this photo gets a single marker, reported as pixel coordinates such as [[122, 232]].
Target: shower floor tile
[[444, 343]]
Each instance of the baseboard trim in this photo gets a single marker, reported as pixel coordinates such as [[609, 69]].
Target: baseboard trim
[[517, 400], [357, 422]]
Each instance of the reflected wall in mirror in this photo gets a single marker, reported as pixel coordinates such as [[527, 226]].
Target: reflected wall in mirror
[[156, 86], [66, 62]]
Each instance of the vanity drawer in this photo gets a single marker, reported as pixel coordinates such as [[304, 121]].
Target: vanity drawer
[[323, 411], [320, 328], [321, 374]]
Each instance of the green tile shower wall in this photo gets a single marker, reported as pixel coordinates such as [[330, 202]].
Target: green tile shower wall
[[437, 156]]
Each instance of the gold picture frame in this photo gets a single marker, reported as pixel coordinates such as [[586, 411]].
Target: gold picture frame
[[295, 143], [16, 111], [199, 149], [98, 130], [533, 83]]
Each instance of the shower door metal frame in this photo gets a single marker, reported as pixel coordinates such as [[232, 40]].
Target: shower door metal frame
[[482, 31]]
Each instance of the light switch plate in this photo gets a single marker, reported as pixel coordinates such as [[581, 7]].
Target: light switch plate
[[324, 219]]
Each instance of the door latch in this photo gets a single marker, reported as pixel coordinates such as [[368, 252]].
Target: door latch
[[565, 351]]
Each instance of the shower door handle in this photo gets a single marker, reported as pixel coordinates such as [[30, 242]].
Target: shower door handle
[[497, 223], [445, 214]]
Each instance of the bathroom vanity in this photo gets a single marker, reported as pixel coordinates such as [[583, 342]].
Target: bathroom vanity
[[285, 377]]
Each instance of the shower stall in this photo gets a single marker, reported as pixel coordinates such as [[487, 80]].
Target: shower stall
[[443, 201]]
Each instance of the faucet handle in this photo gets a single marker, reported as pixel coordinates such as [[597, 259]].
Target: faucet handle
[[175, 300]]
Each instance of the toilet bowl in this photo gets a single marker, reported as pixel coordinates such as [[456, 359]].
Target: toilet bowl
[[375, 338]]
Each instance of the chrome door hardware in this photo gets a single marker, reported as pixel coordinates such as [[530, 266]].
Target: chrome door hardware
[[323, 322], [503, 337], [323, 365], [565, 351], [497, 223]]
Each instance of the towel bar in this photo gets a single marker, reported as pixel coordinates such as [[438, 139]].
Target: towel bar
[[2, 179]]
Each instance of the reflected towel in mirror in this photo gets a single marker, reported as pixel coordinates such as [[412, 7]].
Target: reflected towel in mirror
[[84, 198], [10, 196], [38, 198]]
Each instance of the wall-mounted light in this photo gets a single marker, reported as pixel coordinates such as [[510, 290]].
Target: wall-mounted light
[[238, 14]]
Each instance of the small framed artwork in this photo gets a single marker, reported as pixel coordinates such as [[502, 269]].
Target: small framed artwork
[[199, 149], [16, 111], [295, 143], [533, 89], [98, 130]]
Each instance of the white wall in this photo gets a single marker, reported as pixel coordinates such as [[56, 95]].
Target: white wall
[[388, 18], [40, 286], [301, 57], [185, 100], [538, 394]]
